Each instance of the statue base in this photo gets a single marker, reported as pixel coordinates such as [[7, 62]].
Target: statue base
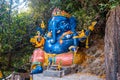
[[59, 73]]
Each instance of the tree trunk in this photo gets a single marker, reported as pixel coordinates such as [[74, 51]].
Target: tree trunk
[[112, 45]]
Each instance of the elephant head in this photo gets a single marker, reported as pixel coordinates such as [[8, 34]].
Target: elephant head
[[58, 40], [60, 24]]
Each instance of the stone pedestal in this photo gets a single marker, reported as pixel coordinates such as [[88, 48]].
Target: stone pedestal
[[57, 73]]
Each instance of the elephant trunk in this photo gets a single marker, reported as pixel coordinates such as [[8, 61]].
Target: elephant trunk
[[53, 33]]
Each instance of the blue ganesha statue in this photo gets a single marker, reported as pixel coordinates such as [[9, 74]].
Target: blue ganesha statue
[[60, 39]]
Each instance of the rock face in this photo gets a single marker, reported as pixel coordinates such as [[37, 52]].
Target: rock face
[[112, 45], [95, 63]]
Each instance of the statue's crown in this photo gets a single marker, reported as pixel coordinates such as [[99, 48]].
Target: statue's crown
[[58, 12]]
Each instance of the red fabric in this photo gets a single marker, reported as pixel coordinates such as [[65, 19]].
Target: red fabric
[[38, 55], [65, 59]]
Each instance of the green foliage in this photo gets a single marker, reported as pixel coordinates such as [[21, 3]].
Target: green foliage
[[15, 31], [110, 5], [38, 7]]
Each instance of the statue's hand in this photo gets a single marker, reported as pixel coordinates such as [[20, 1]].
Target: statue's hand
[[61, 41], [49, 34], [91, 27]]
